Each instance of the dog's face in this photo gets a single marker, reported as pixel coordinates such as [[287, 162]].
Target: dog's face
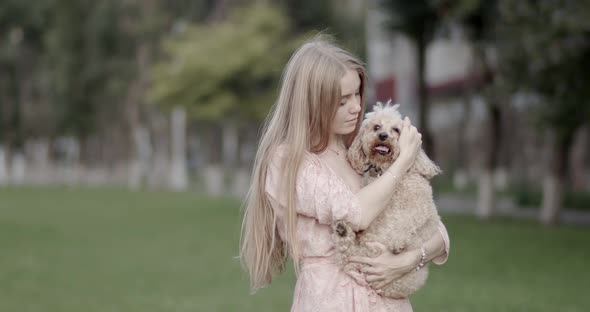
[[380, 139], [377, 143]]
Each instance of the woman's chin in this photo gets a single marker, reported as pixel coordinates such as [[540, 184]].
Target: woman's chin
[[346, 131]]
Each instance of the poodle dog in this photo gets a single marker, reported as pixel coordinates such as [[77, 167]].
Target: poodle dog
[[411, 217]]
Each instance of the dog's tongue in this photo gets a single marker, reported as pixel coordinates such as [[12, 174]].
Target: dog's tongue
[[382, 148]]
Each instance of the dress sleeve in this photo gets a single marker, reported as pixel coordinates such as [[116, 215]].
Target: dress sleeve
[[445, 235], [319, 194]]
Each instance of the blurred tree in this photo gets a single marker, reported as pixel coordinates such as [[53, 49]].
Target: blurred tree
[[418, 20], [309, 14], [148, 22], [23, 81], [228, 70], [334, 17], [89, 55], [478, 20], [68, 64], [544, 51]]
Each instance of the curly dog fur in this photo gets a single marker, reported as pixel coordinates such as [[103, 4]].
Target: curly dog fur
[[411, 217]]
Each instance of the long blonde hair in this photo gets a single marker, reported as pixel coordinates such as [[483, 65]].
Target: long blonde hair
[[300, 120]]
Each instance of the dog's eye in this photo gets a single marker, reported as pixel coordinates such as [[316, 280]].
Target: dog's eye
[[396, 130], [377, 128]]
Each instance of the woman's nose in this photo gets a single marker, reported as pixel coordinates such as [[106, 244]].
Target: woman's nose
[[356, 107]]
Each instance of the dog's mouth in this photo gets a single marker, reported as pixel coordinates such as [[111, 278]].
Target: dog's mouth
[[382, 149]]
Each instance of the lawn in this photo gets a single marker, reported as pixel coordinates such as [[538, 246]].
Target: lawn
[[112, 250]]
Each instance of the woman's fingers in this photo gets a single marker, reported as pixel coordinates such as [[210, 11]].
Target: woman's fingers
[[370, 270], [410, 141], [363, 260], [378, 284], [374, 278], [407, 122]]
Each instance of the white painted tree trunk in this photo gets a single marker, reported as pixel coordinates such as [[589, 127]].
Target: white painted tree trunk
[[72, 169], [552, 197], [18, 168], [501, 179], [214, 180], [139, 166], [3, 171], [38, 152], [178, 173], [486, 198], [460, 179]]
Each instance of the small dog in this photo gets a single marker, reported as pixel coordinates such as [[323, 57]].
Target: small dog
[[411, 217]]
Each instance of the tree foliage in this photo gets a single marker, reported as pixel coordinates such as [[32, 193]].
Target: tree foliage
[[225, 69], [418, 21], [544, 49]]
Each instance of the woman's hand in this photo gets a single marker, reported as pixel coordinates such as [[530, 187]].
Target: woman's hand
[[387, 267], [410, 141]]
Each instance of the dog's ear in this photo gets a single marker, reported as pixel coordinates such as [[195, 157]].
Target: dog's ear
[[424, 166], [356, 156]]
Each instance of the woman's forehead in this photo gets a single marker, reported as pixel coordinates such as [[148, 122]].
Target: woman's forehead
[[350, 82]]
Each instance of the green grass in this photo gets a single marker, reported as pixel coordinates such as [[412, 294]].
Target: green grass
[[110, 250]]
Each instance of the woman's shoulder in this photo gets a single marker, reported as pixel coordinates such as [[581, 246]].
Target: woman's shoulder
[[280, 152]]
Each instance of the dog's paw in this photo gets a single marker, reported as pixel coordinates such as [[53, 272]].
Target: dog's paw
[[341, 229]]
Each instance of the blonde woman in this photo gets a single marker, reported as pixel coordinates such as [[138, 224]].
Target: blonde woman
[[302, 182]]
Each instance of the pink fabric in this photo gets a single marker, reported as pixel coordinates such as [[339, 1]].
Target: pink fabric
[[323, 197]]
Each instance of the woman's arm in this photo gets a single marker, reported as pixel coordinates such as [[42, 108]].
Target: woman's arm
[[442, 258], [387, 267], [374, 197], [433, 248]]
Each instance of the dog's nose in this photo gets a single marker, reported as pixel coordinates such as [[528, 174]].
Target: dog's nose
[[383, 136]]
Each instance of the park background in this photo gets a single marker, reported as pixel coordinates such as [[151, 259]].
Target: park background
[[128, 130]]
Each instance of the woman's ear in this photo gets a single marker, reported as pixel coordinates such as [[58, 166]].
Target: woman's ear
[[356, 156], [424, 166]]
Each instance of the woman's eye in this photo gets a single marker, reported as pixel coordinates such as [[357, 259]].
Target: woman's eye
[[396, 130], [377, 127], [342, 104], [358, 93]]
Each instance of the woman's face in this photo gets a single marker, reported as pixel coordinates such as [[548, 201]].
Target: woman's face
[[350, 104]]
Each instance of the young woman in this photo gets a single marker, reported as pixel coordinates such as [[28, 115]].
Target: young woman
[[302, 183]]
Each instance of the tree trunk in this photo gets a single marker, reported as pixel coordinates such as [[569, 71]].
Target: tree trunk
[[486, 199], [460, 177], [142, 155], [486, 188], [178, 174], [554, 181], [160, 155], [139, 135], [423, 103], [579, 155], [3, 171]]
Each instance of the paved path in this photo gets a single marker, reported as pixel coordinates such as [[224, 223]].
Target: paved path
[[457, 204]]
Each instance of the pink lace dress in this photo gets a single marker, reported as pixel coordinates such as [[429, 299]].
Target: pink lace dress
[[322, 197]]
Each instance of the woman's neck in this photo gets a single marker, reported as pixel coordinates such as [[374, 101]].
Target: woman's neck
[[336, 143]]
